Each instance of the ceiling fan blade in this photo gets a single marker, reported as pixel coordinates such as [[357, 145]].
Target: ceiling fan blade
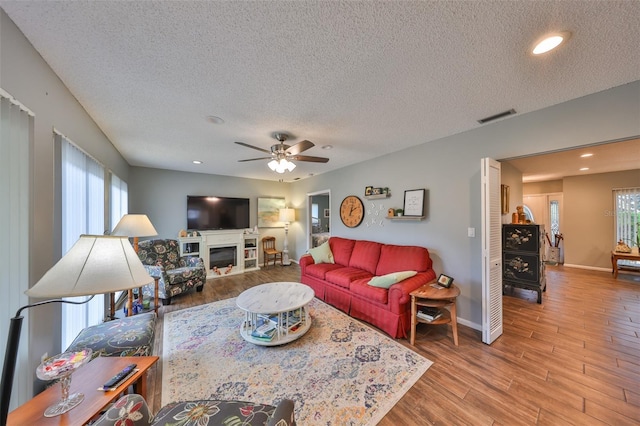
[[253, 147], [300, 146], [255, 159], [310, 158]]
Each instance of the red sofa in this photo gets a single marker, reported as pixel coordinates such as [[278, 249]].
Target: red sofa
[[344, 284]]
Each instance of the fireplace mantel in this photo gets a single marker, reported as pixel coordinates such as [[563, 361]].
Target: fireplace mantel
[[246, 246]]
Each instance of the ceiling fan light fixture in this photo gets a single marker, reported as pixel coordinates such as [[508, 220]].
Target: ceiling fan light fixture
[[273, 164]]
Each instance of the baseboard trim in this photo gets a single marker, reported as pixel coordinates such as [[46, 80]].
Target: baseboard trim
[[470, 324], [591, 268]]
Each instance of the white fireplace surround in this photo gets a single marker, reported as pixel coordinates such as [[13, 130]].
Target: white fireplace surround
[[227, 238]]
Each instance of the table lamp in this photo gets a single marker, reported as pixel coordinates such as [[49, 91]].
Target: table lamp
[[133, 225], [96, 264], [287, 216]]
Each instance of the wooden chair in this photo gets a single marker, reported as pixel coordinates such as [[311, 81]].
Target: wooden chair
[[269, 250]]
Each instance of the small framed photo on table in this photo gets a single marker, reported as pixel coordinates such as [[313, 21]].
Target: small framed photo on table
[[445, 280]]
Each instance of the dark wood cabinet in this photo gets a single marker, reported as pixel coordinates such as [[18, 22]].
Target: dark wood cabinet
[[522, 257]]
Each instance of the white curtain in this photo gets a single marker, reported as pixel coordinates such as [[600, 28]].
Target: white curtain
[[119, 199], [119, 205], [16, 141], [83, 212]]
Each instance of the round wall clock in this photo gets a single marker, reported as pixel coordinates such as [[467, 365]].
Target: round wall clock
[[351, 211]]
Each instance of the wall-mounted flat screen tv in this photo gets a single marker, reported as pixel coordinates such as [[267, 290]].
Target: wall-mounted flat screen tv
[[210, 213]]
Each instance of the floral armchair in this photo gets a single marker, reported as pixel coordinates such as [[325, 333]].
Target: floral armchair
[[161, 258], [132, 410]]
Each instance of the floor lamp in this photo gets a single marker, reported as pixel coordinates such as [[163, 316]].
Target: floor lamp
[[133, 225], [96, 264], [287, 216]]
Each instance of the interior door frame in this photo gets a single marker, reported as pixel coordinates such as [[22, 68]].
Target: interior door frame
[[310, 195]]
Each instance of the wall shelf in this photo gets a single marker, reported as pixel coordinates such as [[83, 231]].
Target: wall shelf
[[377, 196], [406, 218]]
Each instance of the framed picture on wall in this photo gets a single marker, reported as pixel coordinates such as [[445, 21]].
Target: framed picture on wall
[[414, 202], [269, 212]]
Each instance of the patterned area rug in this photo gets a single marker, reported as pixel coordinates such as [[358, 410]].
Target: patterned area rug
[[341, 372]]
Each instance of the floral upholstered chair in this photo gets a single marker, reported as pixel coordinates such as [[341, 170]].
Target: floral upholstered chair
[[132, 410], [161, 258]]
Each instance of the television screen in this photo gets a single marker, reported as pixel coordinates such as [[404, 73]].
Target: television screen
[[209, 213]]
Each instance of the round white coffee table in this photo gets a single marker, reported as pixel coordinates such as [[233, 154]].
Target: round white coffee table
[[275, 313]]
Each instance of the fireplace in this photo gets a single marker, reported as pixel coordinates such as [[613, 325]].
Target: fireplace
[[222, 257]]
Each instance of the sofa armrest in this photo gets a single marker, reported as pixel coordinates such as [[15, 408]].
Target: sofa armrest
[[192, 261], [305, 261], [283, 415], [399, 293]]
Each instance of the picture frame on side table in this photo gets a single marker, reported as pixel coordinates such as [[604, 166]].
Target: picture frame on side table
[[445, 281], [414, 202], [269, 212]]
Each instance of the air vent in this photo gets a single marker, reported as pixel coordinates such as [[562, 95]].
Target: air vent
[[497, 116]]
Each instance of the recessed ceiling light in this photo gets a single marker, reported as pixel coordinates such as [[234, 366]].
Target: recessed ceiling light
[[197, 162], [550, 42], [327, 146], [586, 155], [215, 120], [584, 169]]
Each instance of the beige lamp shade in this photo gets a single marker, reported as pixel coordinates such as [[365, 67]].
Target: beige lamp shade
[[95, 264], [287, 215], [134, 225]]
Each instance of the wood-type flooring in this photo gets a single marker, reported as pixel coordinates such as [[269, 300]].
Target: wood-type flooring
[[572, 360]]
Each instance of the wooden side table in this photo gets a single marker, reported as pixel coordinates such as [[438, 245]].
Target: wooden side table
[[87, 379], [615, 256], [431, 296]]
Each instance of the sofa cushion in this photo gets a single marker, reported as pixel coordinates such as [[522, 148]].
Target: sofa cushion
[[365, 291], [345, 275], [402, 258], [341, 249], [319, 270], [322, 253], [388, 280], [365, 256]]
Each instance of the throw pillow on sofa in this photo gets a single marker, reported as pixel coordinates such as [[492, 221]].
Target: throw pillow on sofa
[[386, 281], [322, 253]]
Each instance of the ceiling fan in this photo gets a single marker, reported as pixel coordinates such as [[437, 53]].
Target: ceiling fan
[[281, 155]]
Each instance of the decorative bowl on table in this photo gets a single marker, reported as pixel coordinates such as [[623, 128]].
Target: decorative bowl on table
[[61, 367]]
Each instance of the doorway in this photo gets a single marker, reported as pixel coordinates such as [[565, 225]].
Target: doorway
[[319, 218], [546, 209]]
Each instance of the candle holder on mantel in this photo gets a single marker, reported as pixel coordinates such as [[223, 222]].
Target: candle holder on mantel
[[61, 367]]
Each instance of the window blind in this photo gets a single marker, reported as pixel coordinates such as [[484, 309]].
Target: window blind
[[83, 212]]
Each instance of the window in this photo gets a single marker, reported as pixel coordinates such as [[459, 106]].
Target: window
[[119, 206], [554, 215], [627, 217], [83, 212], [119, 200]]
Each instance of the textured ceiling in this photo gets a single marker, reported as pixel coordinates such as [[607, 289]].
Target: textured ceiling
[[368, 78]]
